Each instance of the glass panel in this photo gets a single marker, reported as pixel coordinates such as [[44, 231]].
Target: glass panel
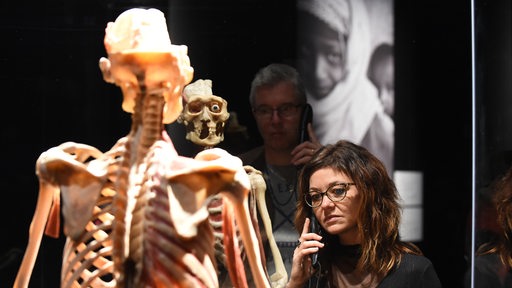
[[492, 135]]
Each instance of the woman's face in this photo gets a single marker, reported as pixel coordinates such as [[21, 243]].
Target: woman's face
[[322, 56], [337, 218]]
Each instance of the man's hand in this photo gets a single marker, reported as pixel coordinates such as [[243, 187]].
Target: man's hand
[[303, 152]]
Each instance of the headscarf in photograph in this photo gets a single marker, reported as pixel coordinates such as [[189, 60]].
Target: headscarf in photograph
[[347, 112]]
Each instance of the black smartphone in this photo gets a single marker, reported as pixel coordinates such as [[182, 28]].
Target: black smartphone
[[306, 117], [314, 227]]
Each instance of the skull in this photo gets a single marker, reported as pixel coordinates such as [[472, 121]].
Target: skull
[[142, 61], [204, 115]]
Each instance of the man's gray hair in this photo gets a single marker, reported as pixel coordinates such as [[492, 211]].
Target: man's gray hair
[[274, 74]]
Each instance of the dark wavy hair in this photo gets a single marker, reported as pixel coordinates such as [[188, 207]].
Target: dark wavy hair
[[502, 187], [380, 213]]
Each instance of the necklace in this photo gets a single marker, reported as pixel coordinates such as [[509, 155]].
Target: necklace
[[282, 189]]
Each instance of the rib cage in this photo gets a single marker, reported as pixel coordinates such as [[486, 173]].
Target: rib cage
[[88, 260], [156, 254]]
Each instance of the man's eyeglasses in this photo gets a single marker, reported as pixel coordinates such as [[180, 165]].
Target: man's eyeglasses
[[285, 110], [336, 193]]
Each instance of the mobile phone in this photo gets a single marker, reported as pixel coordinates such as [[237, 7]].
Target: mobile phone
[[314, 227], [306, 117]]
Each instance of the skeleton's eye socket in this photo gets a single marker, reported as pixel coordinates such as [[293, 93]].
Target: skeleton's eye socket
[[195, 107], [215, 107]]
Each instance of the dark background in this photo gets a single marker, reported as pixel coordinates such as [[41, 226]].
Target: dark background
[[493, 88], [53, 92]]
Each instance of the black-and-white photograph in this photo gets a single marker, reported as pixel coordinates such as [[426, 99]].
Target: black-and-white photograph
[[345, 55]]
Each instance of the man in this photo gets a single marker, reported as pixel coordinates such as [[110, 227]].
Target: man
[[278, 99]]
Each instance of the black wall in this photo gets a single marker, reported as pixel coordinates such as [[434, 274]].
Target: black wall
[[433, 77], [53, 92]]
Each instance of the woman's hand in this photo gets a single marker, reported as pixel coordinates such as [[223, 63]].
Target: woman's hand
[[302, 269], [302, 153]]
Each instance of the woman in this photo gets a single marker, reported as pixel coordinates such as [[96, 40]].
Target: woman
[[493, 263], [358, 243]]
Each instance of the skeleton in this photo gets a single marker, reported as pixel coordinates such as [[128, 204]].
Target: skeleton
[[136, 216], [204, 114], [204, 117]]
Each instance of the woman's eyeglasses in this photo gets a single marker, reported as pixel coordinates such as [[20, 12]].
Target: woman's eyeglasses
[[336, 193]]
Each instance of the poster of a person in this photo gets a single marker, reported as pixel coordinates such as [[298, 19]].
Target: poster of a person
[[335, 42]]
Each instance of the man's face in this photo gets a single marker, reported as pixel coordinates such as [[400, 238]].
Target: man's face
[[279, 129]]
